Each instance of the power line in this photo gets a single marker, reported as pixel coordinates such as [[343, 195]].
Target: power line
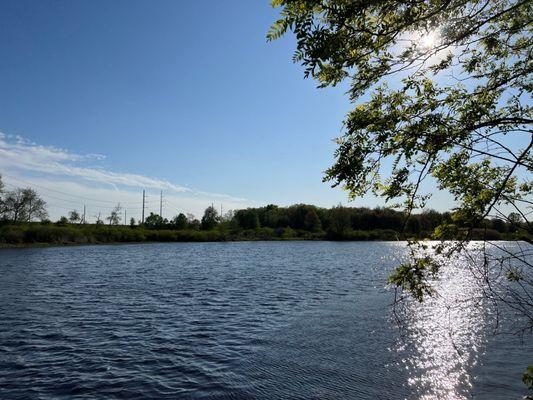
[[183, 210], [75, 201], [144, 199], [72, 201], [64, 193]]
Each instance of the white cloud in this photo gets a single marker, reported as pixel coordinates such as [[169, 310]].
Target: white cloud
[[61, 177]]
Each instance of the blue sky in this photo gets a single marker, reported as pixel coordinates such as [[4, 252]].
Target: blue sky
[[185, 93]]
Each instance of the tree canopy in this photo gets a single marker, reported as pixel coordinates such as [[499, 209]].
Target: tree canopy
[[74, 216], [210, 218], [441, 91], [458, 96], [114, 217], [21, 205]]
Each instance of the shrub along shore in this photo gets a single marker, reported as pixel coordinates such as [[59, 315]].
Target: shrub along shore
[[37, 234]]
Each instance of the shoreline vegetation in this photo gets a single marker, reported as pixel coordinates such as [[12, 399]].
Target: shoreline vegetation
[[21, 208], [297, 222]]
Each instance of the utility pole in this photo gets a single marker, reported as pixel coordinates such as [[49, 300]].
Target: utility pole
[[161, 205], [125, 217], [143, 208], [84, 213]]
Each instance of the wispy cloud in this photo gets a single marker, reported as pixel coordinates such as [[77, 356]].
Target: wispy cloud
[[80, 175], [19, 153]]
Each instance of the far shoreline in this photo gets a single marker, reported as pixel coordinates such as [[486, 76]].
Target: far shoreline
[[22, 246], [11, 246]]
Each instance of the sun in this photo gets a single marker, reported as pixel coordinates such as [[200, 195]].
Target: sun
[[428, 40]]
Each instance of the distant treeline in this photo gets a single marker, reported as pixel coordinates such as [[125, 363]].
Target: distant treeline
[[337, 223], [20, 208], [297, 222]]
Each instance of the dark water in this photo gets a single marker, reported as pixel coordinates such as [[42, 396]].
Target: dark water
[[298, 320]]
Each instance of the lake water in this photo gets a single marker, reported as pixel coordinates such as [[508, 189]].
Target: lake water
[[258, 320]]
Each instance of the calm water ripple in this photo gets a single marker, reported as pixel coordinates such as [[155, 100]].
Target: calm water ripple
[[298, 320]]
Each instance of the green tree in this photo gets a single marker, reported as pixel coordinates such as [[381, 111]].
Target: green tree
[[227, 217], [339, 221], [459, 111], [74, 216], [23, 205], [210, 218], [514, 220], [498, 225], [247, 219], [413, 225], [63, 221], [270, 216], [154, 221], [180, 221], [527, 378], [429, 125], [115, 217], [312, 221]]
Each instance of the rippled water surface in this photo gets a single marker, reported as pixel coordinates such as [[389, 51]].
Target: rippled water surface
[[298, 320]]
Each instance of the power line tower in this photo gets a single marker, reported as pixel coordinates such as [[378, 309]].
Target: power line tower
[[161, 205], [142, 219]]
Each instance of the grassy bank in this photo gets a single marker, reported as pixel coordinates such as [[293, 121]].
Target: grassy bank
[[34, 234]]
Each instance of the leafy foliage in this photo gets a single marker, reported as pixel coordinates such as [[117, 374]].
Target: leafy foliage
[[210, 218], [155, 221], [442, 91], [21, 205], [114, 217], [179, 221], [527, 378], [74, 216], [297, 222]]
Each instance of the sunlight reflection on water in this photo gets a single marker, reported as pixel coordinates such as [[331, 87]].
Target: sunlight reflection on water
[[444, 335]]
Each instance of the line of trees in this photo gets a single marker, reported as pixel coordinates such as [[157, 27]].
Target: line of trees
[[23, 205], [338, 222]]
